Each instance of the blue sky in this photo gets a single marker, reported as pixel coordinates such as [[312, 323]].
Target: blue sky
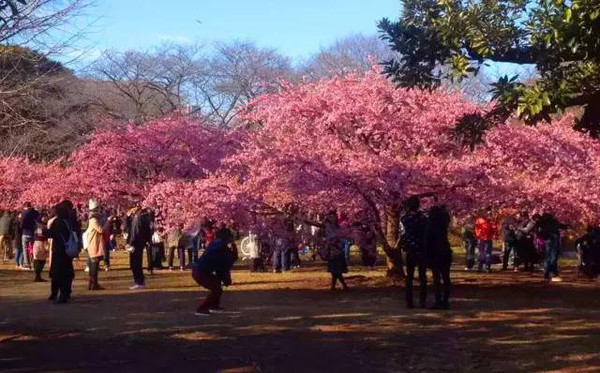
[[297, 28]]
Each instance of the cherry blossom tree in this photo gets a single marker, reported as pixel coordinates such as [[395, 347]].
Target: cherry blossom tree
[[551, 168], [120, 165]]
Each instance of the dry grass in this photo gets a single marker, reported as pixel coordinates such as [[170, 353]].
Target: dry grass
[[290, 322]]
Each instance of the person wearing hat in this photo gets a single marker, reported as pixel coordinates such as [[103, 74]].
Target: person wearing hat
[[95, 244]]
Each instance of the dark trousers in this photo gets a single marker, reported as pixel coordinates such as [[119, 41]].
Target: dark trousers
[[38, 267], [136, 263], [192, 256], [155, 256], [415, 260], [441, 279], [60, 287], [281, 260], [551, 256], [470, 253], [181, 252], [107, 249], [94, 264], [212, 283], [509, 249], [258, 265]]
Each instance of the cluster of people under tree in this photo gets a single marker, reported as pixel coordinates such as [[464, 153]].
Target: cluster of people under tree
[[57, 234], [528, 241]]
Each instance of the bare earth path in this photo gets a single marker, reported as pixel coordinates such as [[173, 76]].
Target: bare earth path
[[499, 322]]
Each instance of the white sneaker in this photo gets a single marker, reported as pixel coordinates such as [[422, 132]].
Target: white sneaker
[[556, 279], [87, 269], [137, 287]]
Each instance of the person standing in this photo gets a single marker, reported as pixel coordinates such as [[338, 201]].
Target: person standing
[[439, 254], [29, 219], [18, 242], [485, 231], [40, 251], [175, 242], [61, 265], [95, 245], [75, 228], [414, 223], [108, 233], [138, 237], [6, 235], [510, 242], [157, 248], [469, 243], [549, 230], [367, 241], [213, 268]]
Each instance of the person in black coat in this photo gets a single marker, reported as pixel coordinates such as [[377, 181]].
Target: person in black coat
[[139, 236], [61, 265], [439, 254], [414, 223], [588, 251], [213, 269]]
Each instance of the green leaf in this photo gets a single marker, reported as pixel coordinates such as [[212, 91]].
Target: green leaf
[[568, 15]]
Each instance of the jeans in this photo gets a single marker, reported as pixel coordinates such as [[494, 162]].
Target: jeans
[[508, 254], [136, 262], [485, 254], [415, 260], [19, 260], [347, 245], [551, 256], [281, 260], [26, 239], [277, 260], [212, 283]]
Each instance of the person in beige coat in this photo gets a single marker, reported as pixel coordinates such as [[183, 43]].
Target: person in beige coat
[[95, 244]]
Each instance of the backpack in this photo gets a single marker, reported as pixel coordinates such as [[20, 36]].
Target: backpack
[[72, 244]]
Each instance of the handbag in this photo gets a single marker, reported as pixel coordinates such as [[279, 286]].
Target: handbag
[[72, 244]]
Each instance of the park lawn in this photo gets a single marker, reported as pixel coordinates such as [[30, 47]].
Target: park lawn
[[499, 322]]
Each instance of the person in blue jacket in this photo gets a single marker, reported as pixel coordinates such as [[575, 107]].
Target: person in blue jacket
[[213, 269]]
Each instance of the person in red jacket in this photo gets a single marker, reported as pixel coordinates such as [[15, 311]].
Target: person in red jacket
[[485, 231]]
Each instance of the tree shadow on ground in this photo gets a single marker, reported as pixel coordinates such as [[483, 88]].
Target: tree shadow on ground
[[496, 327]]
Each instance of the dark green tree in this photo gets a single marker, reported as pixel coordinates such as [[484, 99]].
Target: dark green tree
[[452, 39]]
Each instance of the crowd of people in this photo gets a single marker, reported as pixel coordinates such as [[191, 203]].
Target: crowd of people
[[60, 234], [528, 242]]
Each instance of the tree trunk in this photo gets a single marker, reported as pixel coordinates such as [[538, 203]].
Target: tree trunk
[[395, 263]]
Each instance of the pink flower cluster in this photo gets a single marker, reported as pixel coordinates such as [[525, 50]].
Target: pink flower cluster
[[356, 143]]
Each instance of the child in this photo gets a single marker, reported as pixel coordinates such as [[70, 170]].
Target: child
[[40, 252]]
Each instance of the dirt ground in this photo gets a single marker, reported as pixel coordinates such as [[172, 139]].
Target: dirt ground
[[499, 322]]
